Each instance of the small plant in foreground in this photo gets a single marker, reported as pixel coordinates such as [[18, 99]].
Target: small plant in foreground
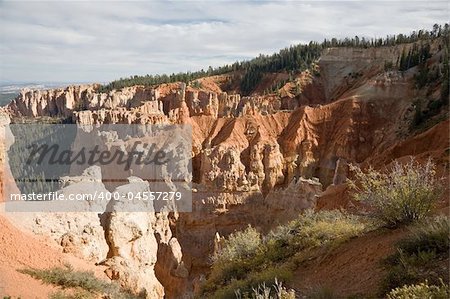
[[277, 291], [419, 291], [239, 245], [405, 194], [430, 235], [321, 293], [81, 282], [76, 294]]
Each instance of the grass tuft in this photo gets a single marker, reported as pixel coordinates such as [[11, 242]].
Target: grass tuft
[[80, 283]]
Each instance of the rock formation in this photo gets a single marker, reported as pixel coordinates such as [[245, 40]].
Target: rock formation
[[132, 243]]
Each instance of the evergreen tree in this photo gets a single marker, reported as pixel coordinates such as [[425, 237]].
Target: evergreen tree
[[445, 79]]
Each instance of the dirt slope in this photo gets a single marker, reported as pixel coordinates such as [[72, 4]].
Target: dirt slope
[[21, 250], [352, 268]]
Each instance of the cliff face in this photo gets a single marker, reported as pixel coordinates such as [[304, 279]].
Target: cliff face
[[63, 102], [84, 104], [257, 160]]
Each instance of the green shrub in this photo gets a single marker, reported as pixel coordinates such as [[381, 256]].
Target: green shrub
[[409, 268], [422, 256], [322, 293], [77, 294], [239, 245], [318, 228], [431, 235], [418, 114], [196, 84], [262, 291], [419, 291], [388, 65], [405, 194], [246, 285], [68, 278], [426, 117], [81, 282]]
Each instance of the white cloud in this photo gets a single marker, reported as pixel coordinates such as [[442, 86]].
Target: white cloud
[[101, 41]]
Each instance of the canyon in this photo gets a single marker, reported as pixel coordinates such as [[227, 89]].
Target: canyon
[[257, 160]]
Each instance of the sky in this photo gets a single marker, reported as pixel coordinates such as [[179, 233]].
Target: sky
[[80, 41]]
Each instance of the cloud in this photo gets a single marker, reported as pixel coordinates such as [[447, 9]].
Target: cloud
[[102, 41]]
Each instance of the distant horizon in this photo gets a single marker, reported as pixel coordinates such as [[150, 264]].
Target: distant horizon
[[59, 42], [42, 82]]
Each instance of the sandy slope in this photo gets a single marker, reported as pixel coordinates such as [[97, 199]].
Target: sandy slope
[[19, 250]]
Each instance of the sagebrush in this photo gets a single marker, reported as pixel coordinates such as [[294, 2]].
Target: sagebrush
[[422, 290], [263, 291], [405, 194], [80, 283]]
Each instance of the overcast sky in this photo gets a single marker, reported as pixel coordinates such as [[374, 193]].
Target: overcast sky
[[102, 41]]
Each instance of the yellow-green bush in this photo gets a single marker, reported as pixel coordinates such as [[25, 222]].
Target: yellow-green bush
[[254, 279], [80, 283], [420, 291], [76, 294], [405, 194], [238, 246], [263, 291], [322, 292]]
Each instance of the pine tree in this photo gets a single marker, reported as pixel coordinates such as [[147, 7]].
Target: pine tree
[[445, 79], [403, 60]]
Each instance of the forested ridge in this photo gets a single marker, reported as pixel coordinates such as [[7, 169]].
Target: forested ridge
[[293, 59]]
